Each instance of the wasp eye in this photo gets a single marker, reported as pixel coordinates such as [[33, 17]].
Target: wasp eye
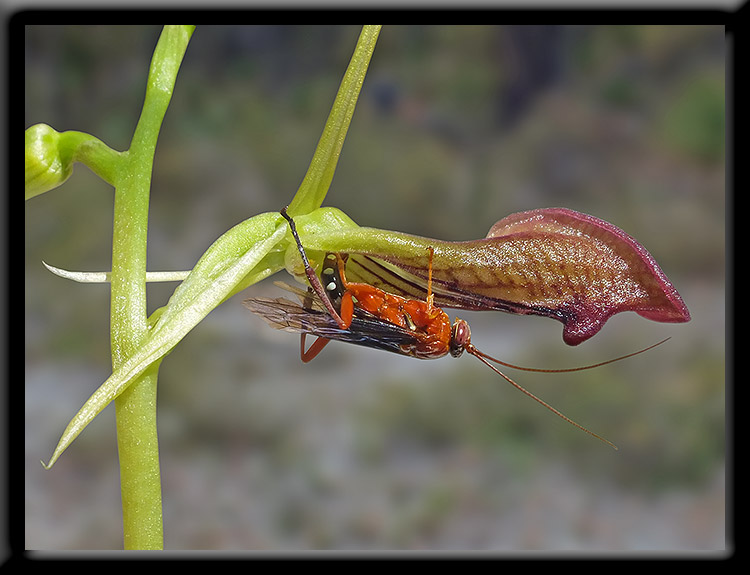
[[460, 337]]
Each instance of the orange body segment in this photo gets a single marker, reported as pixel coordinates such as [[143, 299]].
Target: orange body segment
[[430, 325]]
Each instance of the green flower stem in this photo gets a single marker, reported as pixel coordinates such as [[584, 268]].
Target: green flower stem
[[136, 407], [91, 151], [138, 449]]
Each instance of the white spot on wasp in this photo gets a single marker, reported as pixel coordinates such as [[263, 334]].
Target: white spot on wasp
[[410, 322]]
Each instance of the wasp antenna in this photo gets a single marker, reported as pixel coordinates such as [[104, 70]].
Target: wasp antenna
[[569, 369], [481, 357], [310, 273]]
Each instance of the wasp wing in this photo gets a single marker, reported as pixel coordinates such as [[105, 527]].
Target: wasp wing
[[365, 329]]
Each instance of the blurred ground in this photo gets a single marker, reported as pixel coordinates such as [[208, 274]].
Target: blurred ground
[[456, 128]]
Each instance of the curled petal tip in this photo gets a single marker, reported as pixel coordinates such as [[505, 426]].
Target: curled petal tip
[[614, 271]]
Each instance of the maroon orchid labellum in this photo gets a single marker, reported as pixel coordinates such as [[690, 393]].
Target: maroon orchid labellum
[[552, 262]]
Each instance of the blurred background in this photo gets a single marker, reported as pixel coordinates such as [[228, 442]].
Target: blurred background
[[456, 128]]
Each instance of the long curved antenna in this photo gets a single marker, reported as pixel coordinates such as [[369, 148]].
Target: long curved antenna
[[310, 273], [481, 354], [481, 357]]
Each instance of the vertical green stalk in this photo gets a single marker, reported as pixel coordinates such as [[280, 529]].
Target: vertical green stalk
[[319, 175], [136, 407]]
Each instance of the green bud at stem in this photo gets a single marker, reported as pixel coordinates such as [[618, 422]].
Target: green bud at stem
[[46, 166]]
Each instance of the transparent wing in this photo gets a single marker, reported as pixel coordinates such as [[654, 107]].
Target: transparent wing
[[365, 329]]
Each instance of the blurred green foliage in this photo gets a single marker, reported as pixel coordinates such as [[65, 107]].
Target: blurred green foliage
[[694, 123]]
